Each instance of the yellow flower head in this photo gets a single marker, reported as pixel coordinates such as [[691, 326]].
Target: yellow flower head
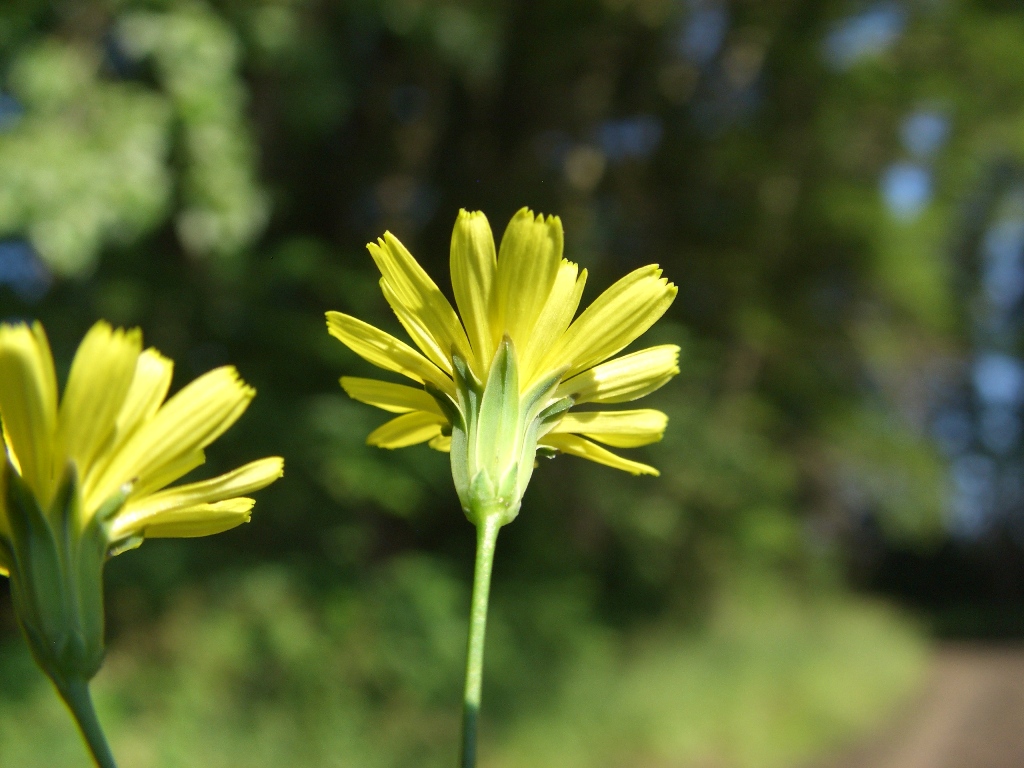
[[497, 385], [85, 478]]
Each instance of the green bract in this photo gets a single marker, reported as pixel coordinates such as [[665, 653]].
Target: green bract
[[495, 432], [56, 561]]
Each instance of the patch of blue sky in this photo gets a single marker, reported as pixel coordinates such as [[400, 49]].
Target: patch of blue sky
[[998, 379], [117, 59], [634, 137], [924, 132], [1003, 263], [10, 111], [906, 189], [703, 32], [953, 430], [973, 503], [864, 35], [999, 428], [23, 271]]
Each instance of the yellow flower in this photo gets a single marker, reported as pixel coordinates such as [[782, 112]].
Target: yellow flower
[[85, 478], [496, 386]]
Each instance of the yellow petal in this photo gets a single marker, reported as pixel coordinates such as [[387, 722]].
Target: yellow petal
[[5, 526], [583, 448], [98, 383], [141, 513], [528, 261], [473, 267], [167, 474], [408, 429], [48, 376], [437, 350], [202, 520], [385, 351], [149, 387], [621, 429], [419, 303], [28, 404], [617, 317], [442, 443], [396, 398], [625, 378], [196, 416], [554, 319]]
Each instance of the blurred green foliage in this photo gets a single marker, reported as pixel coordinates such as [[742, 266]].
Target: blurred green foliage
[[210, 170], [251, 671], [91, 161]]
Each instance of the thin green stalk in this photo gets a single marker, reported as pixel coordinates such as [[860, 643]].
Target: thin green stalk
[[486, 538], [76, 695]]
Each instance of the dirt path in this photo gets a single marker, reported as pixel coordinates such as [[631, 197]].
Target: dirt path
[[970, 715]]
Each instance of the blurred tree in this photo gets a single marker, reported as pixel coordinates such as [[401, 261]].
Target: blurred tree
[[93, 155]]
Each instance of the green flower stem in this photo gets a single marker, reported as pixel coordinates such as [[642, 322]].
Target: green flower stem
[[486, 538], [76, 695]]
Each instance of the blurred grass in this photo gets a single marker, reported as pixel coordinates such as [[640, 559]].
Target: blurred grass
[[772, 685], [251, 672]]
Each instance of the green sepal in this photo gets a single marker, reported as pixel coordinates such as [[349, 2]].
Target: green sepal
[[468, 391], [548, 417], [6, 553], [494, 445], [37, 589], [113, 505], [495, 431], [464, 376], [56, 575], [448, 407], [498, 429], [534, 398], [124, 545]]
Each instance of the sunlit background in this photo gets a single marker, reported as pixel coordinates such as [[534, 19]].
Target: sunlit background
[[837, 187]]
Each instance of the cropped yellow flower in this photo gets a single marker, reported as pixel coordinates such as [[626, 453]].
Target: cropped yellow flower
[[517, 339], [115, 429], [85, 477]]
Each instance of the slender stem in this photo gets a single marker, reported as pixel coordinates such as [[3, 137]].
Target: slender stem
[[486, 538], [76, 695]]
